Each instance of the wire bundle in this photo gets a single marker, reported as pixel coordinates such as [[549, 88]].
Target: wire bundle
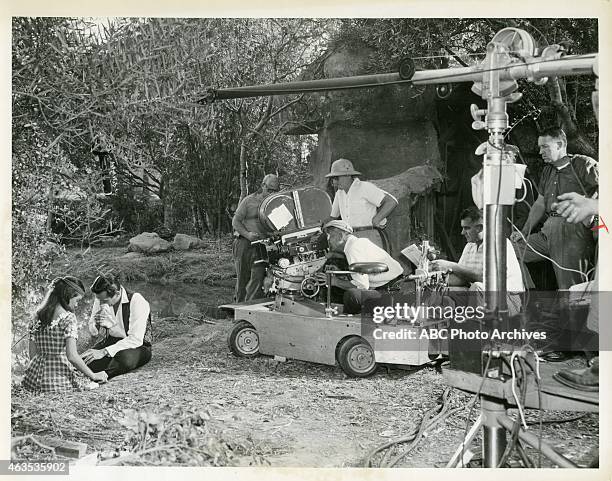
[[431, 418]]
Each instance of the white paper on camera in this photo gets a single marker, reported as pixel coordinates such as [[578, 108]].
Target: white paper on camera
[[280, 216], [412, 253]]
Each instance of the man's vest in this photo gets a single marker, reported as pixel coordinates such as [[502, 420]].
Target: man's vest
[[125, 313]]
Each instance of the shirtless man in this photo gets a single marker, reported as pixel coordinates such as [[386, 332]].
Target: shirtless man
[[250, 267]]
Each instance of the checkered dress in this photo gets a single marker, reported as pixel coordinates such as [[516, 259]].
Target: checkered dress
[[50, 370]]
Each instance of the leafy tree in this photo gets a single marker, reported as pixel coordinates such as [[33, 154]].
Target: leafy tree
[[435, 43]]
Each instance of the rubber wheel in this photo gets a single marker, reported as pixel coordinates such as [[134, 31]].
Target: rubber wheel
[[243, 340], [356, 357]]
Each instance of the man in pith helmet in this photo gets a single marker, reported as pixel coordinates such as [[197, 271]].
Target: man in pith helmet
[[361, 204]]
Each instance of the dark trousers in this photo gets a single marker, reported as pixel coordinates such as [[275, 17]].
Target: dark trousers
[[569, 245], [249, 273], [124, 361], [354, 299]]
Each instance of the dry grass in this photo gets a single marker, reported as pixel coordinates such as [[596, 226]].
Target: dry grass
[[212, 266]]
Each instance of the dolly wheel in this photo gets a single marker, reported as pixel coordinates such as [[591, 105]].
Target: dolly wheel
[[356, 357], [243, 340]]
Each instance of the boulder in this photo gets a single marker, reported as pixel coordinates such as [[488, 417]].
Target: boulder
[[50, 249], [185, 242], [148, 242]]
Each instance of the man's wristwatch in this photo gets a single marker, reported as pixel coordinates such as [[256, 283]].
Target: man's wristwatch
[[105, 352]]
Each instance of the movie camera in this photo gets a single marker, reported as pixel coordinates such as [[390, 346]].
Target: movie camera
[[511, 55]]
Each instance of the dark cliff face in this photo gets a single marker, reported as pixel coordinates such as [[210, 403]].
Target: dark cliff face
[[385, 131]]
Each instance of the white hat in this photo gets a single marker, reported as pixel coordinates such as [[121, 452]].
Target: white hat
[[342, 167]]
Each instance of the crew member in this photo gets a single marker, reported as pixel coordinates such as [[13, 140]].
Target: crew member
[[360, 287], [569, 245], [248, 259], [576, 208], [469, 271], [361, 204]]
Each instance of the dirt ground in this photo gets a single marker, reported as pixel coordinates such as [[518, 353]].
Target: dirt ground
[[197, 404]]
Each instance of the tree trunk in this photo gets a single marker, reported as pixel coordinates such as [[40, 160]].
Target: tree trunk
[[50, 208], [577, 141], [244, 188]]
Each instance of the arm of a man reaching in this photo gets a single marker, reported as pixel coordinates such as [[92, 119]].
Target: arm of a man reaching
[[139, 314], [93, 330], [536, 213], [464, 273], [575, 207]]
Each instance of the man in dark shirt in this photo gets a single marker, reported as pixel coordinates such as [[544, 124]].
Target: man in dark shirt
[[250, 267], [568, 245]]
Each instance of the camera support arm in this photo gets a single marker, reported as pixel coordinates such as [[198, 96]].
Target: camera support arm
[[511, 55]]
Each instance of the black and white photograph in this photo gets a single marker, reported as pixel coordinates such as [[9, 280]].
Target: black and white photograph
[[288, 241]]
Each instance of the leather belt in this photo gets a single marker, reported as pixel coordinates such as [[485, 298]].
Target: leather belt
[[363, 227]]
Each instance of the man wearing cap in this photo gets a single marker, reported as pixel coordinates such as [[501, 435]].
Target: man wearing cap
[[248, 259], [360, 287], [361, 204], [571, 246]]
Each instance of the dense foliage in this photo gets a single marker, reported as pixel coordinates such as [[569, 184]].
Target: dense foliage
[[435, 43], [113, 106]]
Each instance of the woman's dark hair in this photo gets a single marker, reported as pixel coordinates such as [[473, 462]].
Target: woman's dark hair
[[108, 283], [61, 290]]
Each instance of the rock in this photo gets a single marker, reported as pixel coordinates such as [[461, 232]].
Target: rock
[[148, 242], [50, 249], [185, 242]]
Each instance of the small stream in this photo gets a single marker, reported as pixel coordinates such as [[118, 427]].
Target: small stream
[[174, 298]]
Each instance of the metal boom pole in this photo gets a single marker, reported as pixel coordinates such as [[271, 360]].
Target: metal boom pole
[[511, 55]]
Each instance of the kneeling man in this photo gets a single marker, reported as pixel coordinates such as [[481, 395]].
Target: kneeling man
[[125, 343], [360, 287]]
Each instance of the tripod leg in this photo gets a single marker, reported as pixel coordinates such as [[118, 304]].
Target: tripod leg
[[534, 442], [457, 458], [494, 434]]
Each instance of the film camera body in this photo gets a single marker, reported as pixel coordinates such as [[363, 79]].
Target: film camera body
[[295, 250], [294, 322]]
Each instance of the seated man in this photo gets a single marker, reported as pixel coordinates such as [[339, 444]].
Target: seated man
[[469, 271], [128, 343], [361, 287]]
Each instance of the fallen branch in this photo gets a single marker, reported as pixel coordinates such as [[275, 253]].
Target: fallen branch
[[136, 455]]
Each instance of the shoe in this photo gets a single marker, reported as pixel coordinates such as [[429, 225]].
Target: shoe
[[555, 356], [581, 379]]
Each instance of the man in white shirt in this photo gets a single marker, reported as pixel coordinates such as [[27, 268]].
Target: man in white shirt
[[469, 271], [360, 287], [127, 345], [361, 204]]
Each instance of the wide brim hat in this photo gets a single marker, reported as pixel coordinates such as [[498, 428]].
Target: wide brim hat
[[342, 167]]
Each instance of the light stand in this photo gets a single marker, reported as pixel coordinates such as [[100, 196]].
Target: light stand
[[511, 55]]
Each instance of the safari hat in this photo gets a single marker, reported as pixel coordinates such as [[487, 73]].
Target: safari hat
[[338, 224], [342, 167]]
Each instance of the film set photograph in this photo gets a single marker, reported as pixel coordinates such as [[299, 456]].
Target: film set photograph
[[305, 243]]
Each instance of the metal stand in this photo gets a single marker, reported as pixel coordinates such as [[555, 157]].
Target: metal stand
[[510, 55]]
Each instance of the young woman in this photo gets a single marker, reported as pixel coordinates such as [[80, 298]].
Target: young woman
[[53, 351]]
